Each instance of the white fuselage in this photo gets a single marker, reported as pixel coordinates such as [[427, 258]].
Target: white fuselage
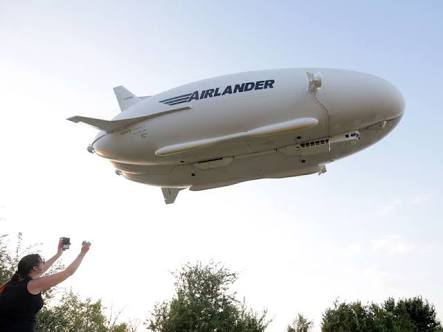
[[260, 124]]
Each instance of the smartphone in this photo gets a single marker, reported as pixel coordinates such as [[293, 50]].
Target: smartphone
[[66, 242]]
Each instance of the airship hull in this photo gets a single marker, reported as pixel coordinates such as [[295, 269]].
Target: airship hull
[[246, 126]]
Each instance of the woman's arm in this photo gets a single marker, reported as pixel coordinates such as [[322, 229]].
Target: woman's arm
[[38, 285], [52, 260]]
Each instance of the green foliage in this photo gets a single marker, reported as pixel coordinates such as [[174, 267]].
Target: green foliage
[[8, 261], [5, 272], [421, 314], [202, 303], [73, 314], [300, 324], [347, 317], [407, 315]]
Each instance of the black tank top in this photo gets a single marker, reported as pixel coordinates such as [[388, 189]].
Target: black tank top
[[18, 307]]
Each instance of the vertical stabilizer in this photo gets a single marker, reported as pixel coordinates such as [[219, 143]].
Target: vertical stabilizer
[[170, 194], [125, 97]]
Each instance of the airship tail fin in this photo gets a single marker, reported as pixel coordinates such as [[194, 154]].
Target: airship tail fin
[[170, 194], [125, 97]]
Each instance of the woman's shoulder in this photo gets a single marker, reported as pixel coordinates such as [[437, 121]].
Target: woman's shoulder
[[14, 287], [30, 287], [16, 283], [22, 284]]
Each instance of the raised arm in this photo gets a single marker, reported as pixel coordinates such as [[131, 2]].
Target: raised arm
[[40, 284], [52, 260]]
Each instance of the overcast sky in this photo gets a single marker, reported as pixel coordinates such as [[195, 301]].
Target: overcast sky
[[368, 229]]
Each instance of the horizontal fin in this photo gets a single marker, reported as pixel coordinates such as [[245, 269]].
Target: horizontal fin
[[106, 125], [274, 129], [116, 125]]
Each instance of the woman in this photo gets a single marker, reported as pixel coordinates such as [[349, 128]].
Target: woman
[[20, 297]]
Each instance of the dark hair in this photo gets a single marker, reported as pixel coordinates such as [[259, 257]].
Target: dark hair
[[25, 266]]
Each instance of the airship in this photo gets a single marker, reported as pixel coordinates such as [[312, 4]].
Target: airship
[[253, 125]]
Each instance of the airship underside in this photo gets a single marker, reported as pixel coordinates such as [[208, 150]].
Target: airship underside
[[234, 128]]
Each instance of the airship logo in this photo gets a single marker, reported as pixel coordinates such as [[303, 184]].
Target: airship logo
[[210, 93]]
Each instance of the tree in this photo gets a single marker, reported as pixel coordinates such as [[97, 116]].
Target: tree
[[414, 315], [8, 261], [300, 324], [5, 273], [202, 303], [347, 317], [73, 314], [420, 314]]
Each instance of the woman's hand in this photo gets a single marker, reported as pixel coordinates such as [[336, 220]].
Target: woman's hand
[[85, 248]]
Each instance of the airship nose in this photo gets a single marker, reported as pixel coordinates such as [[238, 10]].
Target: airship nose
[[101, 144], [112, 146], [355, 100]]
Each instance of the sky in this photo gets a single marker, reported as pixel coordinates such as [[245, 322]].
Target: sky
[[368, 229]]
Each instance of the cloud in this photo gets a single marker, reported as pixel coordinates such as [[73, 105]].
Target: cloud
[[392, 245], [421, 198], [393, 206], [389, 208]]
